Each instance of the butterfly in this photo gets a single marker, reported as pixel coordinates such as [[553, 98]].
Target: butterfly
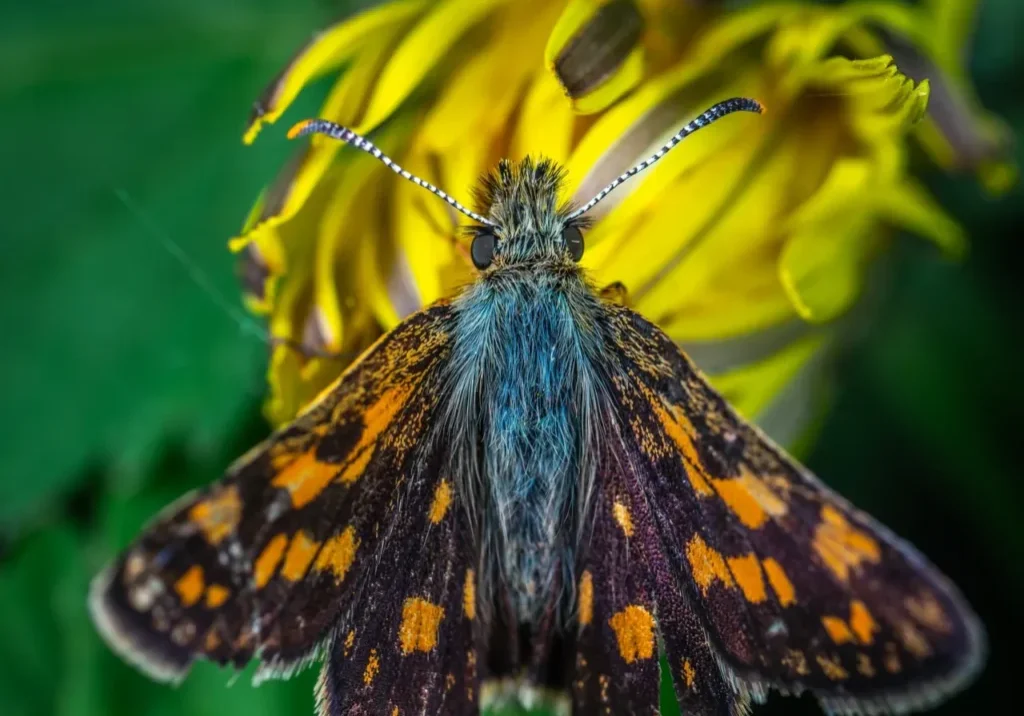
[[528, 493]]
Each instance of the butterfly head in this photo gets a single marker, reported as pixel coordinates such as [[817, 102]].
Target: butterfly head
[[527, 225]]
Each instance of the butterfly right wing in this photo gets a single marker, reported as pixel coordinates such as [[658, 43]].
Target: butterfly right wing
[[759, 576], [314, 542]]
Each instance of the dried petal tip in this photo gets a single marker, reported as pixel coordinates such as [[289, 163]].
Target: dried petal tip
[[300, 128]]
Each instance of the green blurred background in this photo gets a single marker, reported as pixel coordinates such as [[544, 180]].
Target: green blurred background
[[124, 382]]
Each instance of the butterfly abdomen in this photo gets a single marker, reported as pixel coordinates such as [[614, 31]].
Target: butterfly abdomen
[[521, 380]]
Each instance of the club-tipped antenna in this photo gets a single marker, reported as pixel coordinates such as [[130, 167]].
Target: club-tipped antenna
[[736, 104], [336, 131]]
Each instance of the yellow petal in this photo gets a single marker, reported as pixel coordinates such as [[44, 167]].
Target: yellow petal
[[821, 264], [594, 50], [326, 51], [625, 78], [431, 40], [427, 230], [336, 277], [479, 97], [907, 205], [754, 387], [344, 104], [546, 122], [290, 190]]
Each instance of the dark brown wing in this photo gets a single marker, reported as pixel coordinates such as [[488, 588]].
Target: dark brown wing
[[762, 576], [615, 650], [337, 535]]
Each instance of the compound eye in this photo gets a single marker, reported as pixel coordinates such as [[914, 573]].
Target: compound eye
[[482, 249], [573, 238]]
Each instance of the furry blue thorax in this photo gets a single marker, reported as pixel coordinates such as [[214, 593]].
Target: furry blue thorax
[[524, 395]]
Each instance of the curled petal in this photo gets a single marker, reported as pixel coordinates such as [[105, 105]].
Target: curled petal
[[326, 51], [957, 133], [595, 53]]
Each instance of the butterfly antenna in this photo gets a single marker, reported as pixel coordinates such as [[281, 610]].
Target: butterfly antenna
[[336, 131], [737, 104]]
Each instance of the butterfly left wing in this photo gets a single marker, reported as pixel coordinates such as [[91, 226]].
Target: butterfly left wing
[[316, 543], [761, 576]]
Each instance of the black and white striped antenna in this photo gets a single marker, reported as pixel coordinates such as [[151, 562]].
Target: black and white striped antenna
[[736, 104], [336, 131]]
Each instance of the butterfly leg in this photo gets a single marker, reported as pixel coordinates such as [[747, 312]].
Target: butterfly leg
[[616, 292]]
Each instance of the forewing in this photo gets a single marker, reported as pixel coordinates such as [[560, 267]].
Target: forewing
[[795, 588], [268, 561]]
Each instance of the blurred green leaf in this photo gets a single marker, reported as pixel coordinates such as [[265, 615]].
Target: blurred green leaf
[[111, 346]]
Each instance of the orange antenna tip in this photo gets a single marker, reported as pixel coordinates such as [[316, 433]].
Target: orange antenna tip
[[297, 129]]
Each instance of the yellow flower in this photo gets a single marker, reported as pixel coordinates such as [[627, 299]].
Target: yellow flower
[[744, 245]]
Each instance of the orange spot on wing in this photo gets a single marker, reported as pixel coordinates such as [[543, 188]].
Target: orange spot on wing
[[864, 665], [270, 557], [300, 553], [623, 517], [892, 659], [442, 499], [338, 554], [797, 662], [350, 639], [780, 582], [634, 632], [831, 668], [689, 673], [752, 501], [586, 611], [860, 628], [679, 429], [216, 594], [861, 622], [376, 418], [356, 466], [706, 564], [420, 621], [926, 610], [305, 478], [747, 572], [913, 640], [218, 515], [190, 586], [469, 595], [840, 545], [372, 667], [211, 641], [837, 630]]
